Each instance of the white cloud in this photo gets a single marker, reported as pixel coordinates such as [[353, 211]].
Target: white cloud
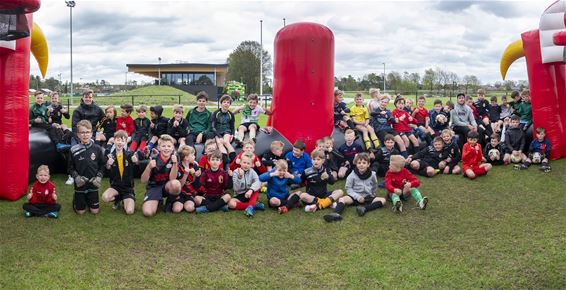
[[460, 36]]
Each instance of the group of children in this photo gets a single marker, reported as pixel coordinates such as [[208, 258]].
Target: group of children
[[397, 144]]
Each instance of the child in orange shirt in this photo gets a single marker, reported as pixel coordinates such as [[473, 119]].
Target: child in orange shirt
[[472, 158]]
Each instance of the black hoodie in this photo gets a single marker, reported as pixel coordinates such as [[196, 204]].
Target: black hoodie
[[93, 113], [159, 123], [514, 139]]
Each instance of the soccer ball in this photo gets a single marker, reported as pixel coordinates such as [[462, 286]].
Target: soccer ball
[[493, 154], [515, 158], [441, 119], [537, 158]]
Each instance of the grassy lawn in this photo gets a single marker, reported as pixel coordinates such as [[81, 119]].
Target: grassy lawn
[[505, 230]]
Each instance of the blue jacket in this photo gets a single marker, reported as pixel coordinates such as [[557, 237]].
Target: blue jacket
[[298, 165], [276, 186], [541, 147]]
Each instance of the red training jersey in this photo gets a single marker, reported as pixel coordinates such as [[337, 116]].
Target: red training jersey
[[471, 155], [396, 180], [42, 193], [402, 119], [420, 115], [126, 124], [259, 169]]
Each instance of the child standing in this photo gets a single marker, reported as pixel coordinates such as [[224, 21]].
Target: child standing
[[160, 174], [86, 166], [42, 200], [189, 175], [199, 121], [214, 181], [125, 121], [177, 127], [472, 159], [246, 187], [361, 187], [539, 151], [277, 191], [360, 117], [317, 178], [120, 164], [401, 185], [223, 120], [141, 130]]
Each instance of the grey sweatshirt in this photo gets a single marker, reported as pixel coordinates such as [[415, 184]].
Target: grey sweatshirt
[[356, 187], [462, 115], [248, 181]]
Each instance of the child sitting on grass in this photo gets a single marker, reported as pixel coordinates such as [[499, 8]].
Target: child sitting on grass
[[188, 175], [214, 182], [298, 160], [430, 160], [382, 155], [349, 150], [246, 186], [317, 178], [472, 159], [454, 154], [249, 147], [42, 199], [401, 185], [514, 142], [120, 164], [277, 191], [493, 151], [539, 151], [361, 187]]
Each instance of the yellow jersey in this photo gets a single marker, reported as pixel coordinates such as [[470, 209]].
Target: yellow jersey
[[359, 113]]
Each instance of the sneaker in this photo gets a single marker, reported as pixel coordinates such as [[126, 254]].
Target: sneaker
[[422, 204], [53, 214], [333, 217], [361, 210], [520, 167], [116, 205], [282, 209], [70, 181], [62, 147], [201, 209], [249, 212], [311, 208], [398, 207], [225, 208], [544, 169], [324, 202], [259, 206], [27, 214]]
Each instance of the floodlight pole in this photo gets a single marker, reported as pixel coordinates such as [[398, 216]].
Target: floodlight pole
[[284, 22], [261, 57], [383, 77], [71, 4], [159, 71]]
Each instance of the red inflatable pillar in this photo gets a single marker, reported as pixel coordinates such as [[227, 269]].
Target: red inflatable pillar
[[303, 82], [14, 105]]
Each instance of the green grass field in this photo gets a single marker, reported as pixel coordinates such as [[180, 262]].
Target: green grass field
[[502, 231]]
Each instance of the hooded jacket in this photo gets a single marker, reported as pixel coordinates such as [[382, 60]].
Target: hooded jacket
[[250, 180], [160, 123], [462, 116], [514, 139], [357, 187], [93, 113]]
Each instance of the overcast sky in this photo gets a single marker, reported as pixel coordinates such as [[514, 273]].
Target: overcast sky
[[466, 37]]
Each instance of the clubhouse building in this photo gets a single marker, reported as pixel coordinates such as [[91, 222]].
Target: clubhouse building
[[189, 77]]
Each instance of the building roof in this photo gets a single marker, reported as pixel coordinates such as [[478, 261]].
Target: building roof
[[152, 69]]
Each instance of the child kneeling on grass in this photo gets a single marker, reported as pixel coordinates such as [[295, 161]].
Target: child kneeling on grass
[[246, 186], [401, 185], [277, 191], [214, 181], [160, 174], [42, 200], [361, 186], [317, 178], [120, 164], [472, 158]]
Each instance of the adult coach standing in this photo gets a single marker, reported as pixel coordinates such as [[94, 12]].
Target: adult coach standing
[[87, 110]]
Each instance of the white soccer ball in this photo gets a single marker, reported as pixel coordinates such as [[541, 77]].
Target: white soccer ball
[[515, 158], [537, 158], [493, 154], [441, 119]]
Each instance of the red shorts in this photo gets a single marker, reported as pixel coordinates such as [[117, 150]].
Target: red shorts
[[476, 169]]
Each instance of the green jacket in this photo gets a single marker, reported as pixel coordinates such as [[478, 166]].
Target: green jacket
[[199, 121], [524, 111], [36, 111]]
